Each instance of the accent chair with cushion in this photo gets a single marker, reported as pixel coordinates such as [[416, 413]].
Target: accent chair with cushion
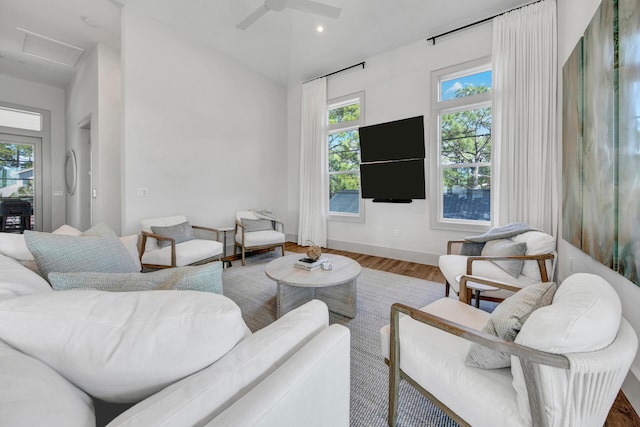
[[254, 233], [173, 242], [518, 261], [529, 363]]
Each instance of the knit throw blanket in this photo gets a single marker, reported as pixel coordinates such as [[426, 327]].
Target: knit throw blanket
[[474, 248]]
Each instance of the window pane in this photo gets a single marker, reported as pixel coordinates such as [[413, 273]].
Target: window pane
[[16, 170], [466, 136], [467, 193], [344, 194], [344, 151], [20, 119], [468, 85], [345, 113]]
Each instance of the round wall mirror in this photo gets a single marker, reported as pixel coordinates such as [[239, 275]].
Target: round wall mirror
[[71, 171]]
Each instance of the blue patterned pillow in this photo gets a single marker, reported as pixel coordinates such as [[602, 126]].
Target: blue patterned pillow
[[65, 254], [206, 278]]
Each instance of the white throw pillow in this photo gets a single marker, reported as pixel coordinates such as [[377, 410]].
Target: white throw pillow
[[123, 347], [584, 316], [33, 394], [537, 243], [200, 397]]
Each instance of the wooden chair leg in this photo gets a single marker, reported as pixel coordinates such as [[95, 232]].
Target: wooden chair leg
[[282, 250], [243, 256]]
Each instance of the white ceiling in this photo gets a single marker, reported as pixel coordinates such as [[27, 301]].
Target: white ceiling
[[284, 46]]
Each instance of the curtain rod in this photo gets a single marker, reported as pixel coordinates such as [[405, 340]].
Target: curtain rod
[[339, 71], [433, 39]]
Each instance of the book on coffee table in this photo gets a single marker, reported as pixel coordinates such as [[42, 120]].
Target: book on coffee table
[[308, 263]]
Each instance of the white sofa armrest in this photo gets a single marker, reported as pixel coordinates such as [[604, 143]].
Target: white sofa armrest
[[312, 388]]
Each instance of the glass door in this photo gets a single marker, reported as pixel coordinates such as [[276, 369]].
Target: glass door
[[20, 181]]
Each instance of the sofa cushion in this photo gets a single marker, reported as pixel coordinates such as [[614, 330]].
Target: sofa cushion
[[180, 233], [197, 399], [79, 253], [123, 346], [505, 247], [206, 277], [444, 354], [584, 316], [260, 238], [33, 394], [506, 321], [186, 252], [16, 280]]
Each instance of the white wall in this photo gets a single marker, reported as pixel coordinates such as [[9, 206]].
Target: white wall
[[397, 84], [203, 134], [37, 95], [573, 18], [82, 102], [94, 93]]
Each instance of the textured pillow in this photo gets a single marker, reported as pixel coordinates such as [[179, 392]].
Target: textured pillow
[[505, 247], [206, 278], [180, 233], [537, 243], [123, 346], [65, 254], [506, 321], [256, 224], [471, 248]]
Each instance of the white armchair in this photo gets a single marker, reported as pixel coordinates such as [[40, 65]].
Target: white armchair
[[538, 265], [567, 362], [173, 242], [254, 233]]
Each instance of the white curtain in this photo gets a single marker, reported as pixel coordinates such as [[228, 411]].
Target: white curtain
[[525, 117], [313, 165]]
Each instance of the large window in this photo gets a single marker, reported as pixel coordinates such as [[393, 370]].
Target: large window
[[462, 114], [344, 116], [462, 157]]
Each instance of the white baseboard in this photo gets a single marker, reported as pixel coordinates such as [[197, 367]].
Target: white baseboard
[[381, 251]]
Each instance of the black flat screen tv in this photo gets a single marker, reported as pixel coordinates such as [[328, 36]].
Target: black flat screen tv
[[393, 182], [398, 140]]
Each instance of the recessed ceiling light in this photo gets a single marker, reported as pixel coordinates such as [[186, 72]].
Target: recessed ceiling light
[[320, 28]]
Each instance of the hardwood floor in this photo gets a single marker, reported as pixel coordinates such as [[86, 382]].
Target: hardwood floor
[[622, 413]]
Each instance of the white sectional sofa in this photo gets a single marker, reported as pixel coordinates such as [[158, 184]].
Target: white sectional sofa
[[182, 358]]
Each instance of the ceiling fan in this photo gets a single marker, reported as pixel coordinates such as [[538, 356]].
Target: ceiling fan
[[279, 5]]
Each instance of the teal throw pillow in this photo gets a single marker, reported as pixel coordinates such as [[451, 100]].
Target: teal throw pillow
[[206, 278], [65, 254], [179, 232]]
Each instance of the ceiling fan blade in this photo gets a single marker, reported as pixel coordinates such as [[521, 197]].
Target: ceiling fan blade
[[315, 7], [251, 18]]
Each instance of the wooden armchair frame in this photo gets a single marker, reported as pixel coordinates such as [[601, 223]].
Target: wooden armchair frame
[[529, 359], [244, 248], [146, 235], [541, 260]]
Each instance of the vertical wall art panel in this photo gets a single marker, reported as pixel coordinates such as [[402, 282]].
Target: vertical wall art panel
[[606, 170], [599, 149], [629, 139], [572, 101]]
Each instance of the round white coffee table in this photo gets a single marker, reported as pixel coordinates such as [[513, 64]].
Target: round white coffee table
[[336, 287]]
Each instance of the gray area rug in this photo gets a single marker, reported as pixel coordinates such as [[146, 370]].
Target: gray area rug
[[255, 293]]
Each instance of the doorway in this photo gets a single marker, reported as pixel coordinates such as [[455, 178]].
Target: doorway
[[85, 178], [21, 177]]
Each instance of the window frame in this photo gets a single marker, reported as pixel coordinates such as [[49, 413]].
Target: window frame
[[334, 103], [438, 108]]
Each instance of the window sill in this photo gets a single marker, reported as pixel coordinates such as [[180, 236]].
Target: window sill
[[345, 217]]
